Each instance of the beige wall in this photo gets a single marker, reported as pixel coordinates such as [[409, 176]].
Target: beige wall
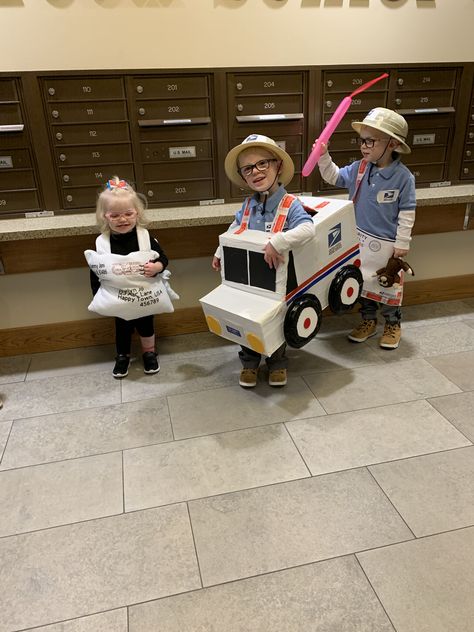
[[121, 34]]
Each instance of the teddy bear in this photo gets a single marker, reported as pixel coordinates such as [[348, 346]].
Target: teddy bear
[[388, 275]]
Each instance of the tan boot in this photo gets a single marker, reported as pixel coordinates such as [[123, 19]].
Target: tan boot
[[392, 333], [277, 377], [248, 378], [366, 329]]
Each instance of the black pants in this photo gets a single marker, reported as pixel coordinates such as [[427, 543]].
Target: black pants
[[124, 330], [251, 359]]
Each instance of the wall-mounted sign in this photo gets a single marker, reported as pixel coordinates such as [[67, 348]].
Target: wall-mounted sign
[[6, 162], [424, 139], [182, 152]]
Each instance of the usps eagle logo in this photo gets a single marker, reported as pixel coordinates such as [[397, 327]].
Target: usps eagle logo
[[334, 238]]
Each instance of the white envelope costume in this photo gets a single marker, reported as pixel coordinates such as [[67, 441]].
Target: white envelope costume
[[125, 292]]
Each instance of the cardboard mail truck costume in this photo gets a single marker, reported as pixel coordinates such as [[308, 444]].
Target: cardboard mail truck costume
[[124, 290], [261, 308]]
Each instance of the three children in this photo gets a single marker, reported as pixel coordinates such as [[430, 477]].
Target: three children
[[380, 186]]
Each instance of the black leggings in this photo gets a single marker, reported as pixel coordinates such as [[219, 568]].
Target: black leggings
[[125, 328]]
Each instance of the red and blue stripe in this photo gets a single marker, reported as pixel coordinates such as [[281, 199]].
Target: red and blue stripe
[[330, 268]]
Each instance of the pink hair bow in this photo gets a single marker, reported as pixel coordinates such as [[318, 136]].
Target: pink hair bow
[[121, 184]]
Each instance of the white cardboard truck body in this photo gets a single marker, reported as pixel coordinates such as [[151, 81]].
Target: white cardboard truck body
[[251, 305]]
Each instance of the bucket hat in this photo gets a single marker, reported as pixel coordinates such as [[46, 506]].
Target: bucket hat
[[388, 122], [254, 141]]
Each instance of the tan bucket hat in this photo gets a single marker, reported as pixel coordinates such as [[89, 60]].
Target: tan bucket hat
[[253, 141], [388, 122]]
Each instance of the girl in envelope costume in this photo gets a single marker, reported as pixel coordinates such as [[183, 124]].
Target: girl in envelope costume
[[128, 274], [383, 192]]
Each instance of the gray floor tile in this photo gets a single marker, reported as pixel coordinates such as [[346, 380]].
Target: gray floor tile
[[457, 367], [63, 412], [86, 432], [370, 386], [435, 313], [206, 466], [13, 369], [426, 585], [113, 621], [233, 408], [458, 409], [189, 345], [427, 341], [192, 374], [331, 353], [72, 392], [332, 596], [433, 493], [60, 493], [272, 528], [5, 427], [71, 362], [90, 567], [353, 439]]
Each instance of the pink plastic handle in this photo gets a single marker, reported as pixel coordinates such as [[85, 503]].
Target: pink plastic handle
[[331, 125]]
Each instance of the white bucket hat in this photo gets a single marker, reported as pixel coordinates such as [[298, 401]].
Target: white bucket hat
[[253, 141], [388, 122]]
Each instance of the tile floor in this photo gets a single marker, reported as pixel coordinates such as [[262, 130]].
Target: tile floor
[[181, 503]]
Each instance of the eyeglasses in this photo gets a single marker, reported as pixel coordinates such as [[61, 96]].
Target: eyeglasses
[[368, 142], [261, 165], [114, 217]]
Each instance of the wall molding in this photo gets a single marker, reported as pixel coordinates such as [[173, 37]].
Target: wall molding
[[100, 331]]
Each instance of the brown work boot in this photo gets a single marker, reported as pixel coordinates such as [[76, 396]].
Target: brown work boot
[[392, 333], [277, 377], [248, 378], [364, 330]]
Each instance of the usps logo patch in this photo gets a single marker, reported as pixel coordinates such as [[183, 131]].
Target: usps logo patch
[[335, 238], [387, 197]]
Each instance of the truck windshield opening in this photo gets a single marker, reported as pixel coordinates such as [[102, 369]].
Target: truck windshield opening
[[249, 268]]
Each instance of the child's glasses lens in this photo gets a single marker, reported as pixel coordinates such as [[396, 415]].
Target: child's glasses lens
[[368, 142], [261, 165], [116, 216]]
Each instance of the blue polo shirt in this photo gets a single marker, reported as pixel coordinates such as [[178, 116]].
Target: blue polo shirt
[[263, 221], [383, 193]]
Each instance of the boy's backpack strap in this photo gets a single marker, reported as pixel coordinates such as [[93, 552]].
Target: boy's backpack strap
[[244, 224], [282, 212], [360, 177]]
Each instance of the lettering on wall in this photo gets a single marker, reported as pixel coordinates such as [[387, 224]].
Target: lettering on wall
[[150, 4]]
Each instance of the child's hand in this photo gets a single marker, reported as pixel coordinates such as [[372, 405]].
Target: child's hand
[[272, 256], [399, 252], [216, 264], [151, 269], [324, 147]]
